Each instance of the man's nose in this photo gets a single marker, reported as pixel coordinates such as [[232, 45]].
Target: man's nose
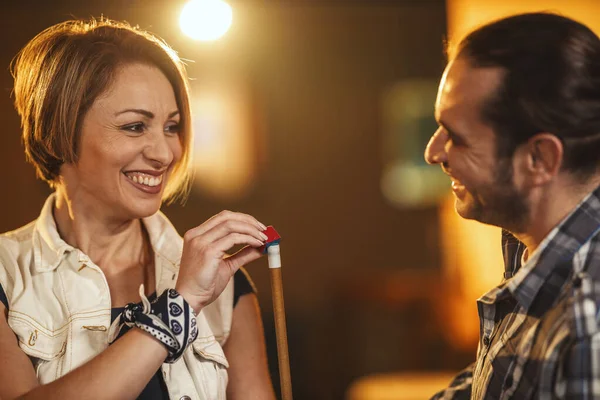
[[435, 152]]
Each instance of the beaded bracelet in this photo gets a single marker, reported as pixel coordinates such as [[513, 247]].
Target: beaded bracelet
[[169, 319]]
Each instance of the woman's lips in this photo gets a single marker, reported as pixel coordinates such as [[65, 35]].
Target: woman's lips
[[145, 183]]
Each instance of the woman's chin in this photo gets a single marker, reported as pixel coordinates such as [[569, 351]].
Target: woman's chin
[[145, 208]]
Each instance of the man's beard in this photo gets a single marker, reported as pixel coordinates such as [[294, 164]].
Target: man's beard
[[500, 203]]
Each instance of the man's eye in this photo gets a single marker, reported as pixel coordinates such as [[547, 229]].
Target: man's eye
[[136, 128], [456, 141]]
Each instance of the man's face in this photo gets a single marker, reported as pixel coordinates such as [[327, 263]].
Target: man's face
[[465, 147]]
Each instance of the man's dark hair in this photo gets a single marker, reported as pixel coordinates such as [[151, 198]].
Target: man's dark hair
[[551, 83]]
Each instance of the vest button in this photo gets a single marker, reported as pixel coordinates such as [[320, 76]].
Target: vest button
[[185, 398]]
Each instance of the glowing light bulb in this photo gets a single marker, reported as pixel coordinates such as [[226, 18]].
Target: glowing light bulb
[[205, 20]]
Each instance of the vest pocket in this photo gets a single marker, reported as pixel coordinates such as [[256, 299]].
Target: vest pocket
[[207, 366], [44, 347], [210, 350]]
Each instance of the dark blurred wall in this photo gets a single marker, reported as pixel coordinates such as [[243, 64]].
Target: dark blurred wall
[[317, 70]]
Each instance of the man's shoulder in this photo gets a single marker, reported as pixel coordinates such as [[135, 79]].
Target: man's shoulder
[[587, 260], [580, 300]]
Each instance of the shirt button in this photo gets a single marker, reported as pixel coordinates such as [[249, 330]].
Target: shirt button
[[185, 398], [486, 341]]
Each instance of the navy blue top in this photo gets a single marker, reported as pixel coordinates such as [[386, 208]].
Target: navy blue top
[[156, 388]]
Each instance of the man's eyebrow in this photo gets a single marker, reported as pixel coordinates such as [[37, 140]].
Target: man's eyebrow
[[143, 112], [451, 132]]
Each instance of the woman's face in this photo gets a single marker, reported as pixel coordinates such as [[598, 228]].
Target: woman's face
[[128, 146]]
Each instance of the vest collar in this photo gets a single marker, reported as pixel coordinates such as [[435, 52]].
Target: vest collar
[[49, 249]]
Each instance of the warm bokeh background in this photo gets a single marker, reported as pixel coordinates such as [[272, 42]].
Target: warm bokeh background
[[296, 125]]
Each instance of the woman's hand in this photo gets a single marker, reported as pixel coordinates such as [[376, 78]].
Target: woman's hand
[[205, 266]]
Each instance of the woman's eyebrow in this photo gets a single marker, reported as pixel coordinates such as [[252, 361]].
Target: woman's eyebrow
[[145, 113]]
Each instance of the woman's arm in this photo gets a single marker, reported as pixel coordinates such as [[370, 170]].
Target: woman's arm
[[245, 350], [16, 372], [120, 372]]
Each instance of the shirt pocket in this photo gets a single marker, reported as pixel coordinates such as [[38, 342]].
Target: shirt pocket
[[45, 347]]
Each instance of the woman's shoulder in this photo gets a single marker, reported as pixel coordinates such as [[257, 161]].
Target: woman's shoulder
[[16, 247], [23, 239], [16, 241], [23, 233]]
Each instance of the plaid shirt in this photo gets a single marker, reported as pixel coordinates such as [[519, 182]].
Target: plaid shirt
[[539, 331]]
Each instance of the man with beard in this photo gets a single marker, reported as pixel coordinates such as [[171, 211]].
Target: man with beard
[[519, 136]]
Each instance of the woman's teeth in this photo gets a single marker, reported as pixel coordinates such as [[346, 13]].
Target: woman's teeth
[[144, 179]]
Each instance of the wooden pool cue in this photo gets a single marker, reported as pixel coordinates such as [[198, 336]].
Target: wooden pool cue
[[285, 378]]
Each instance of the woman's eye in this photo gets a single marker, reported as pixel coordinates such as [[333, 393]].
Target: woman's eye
[[135, 128], [173, 129]]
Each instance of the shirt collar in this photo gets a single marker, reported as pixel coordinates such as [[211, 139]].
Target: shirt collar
[[49, 249], [549, 267]]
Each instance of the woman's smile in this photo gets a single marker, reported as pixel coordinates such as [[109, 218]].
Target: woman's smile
[[147, 182]]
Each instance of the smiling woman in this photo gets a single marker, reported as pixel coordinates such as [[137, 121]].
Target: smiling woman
[[100, 297], [132, 130]]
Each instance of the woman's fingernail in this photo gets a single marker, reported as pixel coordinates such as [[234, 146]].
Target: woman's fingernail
[[262, 235], [262, 226]]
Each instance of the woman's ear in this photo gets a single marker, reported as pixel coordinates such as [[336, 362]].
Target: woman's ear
[[544, 157]]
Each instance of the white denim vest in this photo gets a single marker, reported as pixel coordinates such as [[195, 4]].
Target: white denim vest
[[60, 306]]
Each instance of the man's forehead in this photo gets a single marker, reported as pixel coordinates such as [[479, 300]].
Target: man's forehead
[[465, 85]]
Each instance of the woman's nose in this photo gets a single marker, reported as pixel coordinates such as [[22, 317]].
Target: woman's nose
[[158, 150]]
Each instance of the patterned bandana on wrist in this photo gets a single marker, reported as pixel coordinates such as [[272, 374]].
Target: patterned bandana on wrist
[[169, 319]]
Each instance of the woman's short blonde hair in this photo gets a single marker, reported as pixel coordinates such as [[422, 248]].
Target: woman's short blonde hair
[[62, 71]]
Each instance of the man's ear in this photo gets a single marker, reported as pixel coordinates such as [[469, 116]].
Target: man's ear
[[543, 154]]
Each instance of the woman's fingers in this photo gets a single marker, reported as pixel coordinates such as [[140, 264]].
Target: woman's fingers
[[224, 229], [205, 265], [243, 257], [207, 257], [222, 245], [222, 217], [206, 270]]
